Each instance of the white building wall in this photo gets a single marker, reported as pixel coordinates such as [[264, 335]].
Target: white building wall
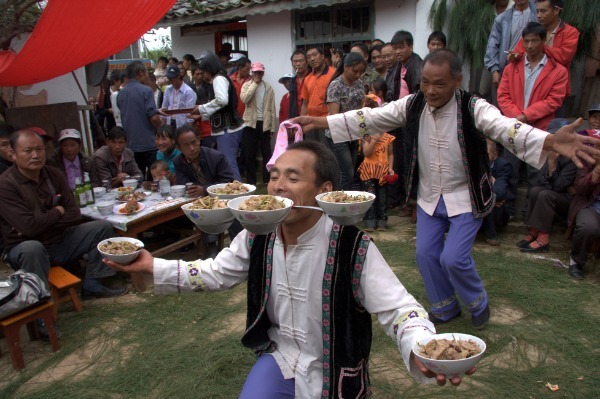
[[190, 44], [270, 42]]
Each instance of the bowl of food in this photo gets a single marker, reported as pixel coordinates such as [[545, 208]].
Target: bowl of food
[[210, 214], [345, 207], [131, 195], [99, 192], [132, 183], [122, 250], [450, 354], [104, 207], [128, 208], [260, 214], [122, 190], [178, 191], [231, 190]]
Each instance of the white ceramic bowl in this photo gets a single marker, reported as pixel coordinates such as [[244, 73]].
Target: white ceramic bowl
[[450, 367], [259, 222], [121, 259], [211, 221], [210, 189], [346, 214], [178, 191], [130, 183], [99, 192], [105, 207]]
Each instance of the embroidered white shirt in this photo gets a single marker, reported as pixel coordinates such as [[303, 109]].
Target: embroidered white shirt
[[295, 299], [440, 133]]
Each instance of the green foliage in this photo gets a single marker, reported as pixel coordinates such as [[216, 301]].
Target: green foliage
[[468, 26], [18, 17], [585, 16], [153, 54]]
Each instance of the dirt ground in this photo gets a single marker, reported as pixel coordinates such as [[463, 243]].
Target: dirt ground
[[402, 229]]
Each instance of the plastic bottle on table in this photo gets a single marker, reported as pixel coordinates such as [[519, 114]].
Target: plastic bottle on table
[[164, 187]]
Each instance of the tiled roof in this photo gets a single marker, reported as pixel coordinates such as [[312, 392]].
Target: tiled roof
[[187, 12]]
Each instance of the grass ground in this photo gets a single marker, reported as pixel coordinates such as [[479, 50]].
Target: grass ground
[[544, 328]]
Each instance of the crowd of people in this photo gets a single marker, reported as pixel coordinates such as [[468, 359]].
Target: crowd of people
[[377, 118]]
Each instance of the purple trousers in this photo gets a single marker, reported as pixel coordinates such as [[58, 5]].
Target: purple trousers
[[447, 267], [265, 381]]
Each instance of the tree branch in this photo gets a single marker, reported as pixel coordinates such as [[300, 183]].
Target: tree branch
[[24, 8]]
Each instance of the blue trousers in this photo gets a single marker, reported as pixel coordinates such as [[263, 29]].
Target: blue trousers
[[447, 267], [265, 381], [229, 144], [345, 154]]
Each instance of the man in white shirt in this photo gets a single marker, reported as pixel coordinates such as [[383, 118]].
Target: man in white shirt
[[451, 179], [177, 96], [296, 275]]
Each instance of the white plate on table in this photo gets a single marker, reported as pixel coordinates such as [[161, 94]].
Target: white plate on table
[[138, 200], [117, 209]]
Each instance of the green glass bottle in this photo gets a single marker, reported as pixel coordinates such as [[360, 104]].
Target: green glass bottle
[[89, 192], [79, 192]]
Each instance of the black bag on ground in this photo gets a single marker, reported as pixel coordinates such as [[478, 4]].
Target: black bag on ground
[[20, 290]]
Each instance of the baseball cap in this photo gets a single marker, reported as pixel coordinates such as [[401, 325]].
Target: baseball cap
[[236, 57], [258, 67], [69, 134], [286, 76], [41, 132], [594, 108], [172, 72]]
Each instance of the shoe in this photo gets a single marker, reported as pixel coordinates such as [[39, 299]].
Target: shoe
[[576, 272], [382, 228], [493, 242], [43, 329], [539, 249], [212, 251], [437, 321], [93, 288], [523, 243], [369, 229], [479, 322], [185, 249]]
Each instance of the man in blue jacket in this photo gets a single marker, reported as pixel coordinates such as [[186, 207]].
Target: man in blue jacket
[[504, 36]]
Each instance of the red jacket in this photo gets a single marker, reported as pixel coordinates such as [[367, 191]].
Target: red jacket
[[549, 91], [563, 47]]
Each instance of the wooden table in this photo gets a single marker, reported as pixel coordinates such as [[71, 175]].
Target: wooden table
[[156, 211]]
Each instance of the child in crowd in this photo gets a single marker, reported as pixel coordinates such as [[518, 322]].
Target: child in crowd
[[379, 88], [376, 170], [160, 169]]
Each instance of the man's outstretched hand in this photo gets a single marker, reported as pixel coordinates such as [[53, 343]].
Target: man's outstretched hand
[[310, 123], [574, 146], [441, 378]]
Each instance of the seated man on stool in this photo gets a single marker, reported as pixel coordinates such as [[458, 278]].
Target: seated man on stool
[[203, 167], [501, 171], [41, 222]]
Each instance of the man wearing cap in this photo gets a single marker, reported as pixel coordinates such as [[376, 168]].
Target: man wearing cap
[[584, 212], [259, 118], [72, 161], [139, 115], [284, 104], [41, 222], [177, 96]]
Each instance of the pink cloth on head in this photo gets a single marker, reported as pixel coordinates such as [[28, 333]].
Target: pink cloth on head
[[281, 142]]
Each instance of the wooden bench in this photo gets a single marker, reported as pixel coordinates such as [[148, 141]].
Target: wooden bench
[[62, 287], [11, 327]]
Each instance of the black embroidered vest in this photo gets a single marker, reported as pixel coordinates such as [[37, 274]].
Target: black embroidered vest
[[228, 116], [473, 148], [346, 324]]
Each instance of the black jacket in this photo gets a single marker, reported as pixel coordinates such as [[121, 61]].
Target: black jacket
[[412, 77], [213, 164]]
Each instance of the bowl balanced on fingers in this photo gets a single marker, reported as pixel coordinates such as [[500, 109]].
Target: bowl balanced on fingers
[[122, 250], [209, 214], [345, 207], [450, 354], [260, 214]]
